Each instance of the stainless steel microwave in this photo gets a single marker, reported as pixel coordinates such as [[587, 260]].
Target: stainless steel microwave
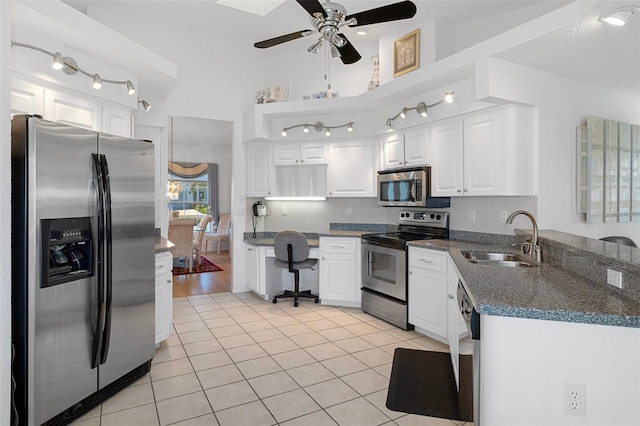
[[408, 188]]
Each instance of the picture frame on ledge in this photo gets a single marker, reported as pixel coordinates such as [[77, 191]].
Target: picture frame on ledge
[[406, 53]]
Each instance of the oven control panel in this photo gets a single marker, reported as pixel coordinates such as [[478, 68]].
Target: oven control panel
[[423, 217]]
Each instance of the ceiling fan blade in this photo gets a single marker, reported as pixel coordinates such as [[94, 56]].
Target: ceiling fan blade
[[312, 6], [282, 39], [392, 12], [348, 53]]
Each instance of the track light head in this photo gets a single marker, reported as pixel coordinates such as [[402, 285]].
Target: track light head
[[145, 105], [448, 97], [284, 132], [389, 123], [422, 109], [327, 132], [306, 129], [403, 113], [97, 82], [131, 89], [350, 127], [58, 62]]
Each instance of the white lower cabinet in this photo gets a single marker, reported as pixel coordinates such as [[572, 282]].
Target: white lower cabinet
[[254, 267], [340, 274], [428, 286], [164, 295]]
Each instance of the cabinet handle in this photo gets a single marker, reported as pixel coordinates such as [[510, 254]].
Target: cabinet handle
[[449, 296], [302, 161], [465, 190], [425, 261], [159, 266], [458, 190], [168, 281], [339, 247], [323, 258], [410, 272], [249, 249]]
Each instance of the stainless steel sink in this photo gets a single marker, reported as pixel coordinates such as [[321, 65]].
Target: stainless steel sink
[[497, 259]]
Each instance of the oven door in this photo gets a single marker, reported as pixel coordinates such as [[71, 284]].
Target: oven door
[[384, 270]]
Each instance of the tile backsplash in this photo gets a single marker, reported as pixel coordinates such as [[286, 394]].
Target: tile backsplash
[[315, 216]]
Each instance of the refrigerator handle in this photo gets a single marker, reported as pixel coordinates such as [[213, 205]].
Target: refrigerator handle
[[99, 326], [108, 259]]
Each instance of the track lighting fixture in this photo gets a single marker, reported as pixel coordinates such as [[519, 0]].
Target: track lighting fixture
[[145, 105], [421, 109], [619, 16], [319, 127], [70, 67]]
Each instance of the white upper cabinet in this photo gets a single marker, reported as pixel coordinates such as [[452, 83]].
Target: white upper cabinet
[[305, 153], [484, 155], [351, 169], [117, 121], [26, 98], [259, 169], [72, 110], [405, 150]]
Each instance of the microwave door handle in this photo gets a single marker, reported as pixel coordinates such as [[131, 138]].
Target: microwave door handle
[[412, 190]]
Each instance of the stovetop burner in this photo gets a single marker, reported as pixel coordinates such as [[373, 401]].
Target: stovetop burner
[[413, 226]]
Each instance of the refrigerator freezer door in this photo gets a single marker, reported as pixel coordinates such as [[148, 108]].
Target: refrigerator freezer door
[[131, 316], [61, 318]]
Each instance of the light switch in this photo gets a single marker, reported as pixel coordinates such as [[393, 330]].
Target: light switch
[[284, 210]]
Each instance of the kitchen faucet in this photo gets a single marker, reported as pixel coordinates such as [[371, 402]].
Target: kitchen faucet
[[530, 247]]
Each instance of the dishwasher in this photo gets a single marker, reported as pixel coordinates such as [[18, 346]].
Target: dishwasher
[[472, 320]]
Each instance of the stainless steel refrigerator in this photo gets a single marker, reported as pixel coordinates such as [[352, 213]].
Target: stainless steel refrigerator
[[83, 267]]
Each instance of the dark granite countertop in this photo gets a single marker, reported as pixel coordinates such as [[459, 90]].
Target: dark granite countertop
[[163, 245], [549, 291]]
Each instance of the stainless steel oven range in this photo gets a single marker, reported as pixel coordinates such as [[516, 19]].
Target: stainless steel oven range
[[384, 263]]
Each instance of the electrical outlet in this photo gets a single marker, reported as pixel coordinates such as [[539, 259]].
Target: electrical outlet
[[284, 210], [575, 399], [472, 215], [614, 278], [503, 216], [349, 211]]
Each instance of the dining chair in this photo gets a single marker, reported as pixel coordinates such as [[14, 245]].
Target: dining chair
[[181, 235], [221, 234], [198, 235]]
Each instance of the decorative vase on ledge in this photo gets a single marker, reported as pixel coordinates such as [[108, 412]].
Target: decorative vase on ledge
[[375, 78]]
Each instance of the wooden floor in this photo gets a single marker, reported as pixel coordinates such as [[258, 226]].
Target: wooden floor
[[206, 282]]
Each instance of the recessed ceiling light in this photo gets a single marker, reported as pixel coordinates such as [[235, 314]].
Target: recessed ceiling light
[[618, 16], [362, 31]]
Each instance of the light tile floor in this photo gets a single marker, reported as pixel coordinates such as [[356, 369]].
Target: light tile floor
[[235, 359]]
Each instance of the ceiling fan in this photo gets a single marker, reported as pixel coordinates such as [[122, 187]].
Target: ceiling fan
[[328, 18]]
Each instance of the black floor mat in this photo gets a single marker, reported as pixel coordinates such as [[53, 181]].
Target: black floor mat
[[422, 383]]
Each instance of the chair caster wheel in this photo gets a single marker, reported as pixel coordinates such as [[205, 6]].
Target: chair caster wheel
[[295, 304], [317, 300], [275, 300]]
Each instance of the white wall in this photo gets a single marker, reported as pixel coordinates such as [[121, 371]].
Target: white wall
[[5, 211]]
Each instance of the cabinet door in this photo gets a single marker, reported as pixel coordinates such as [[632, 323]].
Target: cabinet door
[[482, 155], [453, 331], [164, 296], [351, 172], [393, 152], [313, 153], [286, 154], [340, 271], [446, 168], [251, 267], [116, 121], [428, 302], [26, 98], [259, 169], [416, 149], [72, 110]]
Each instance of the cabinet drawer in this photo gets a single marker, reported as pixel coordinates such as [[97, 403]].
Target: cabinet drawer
[[163, 263], [338, 245], [425, 259]]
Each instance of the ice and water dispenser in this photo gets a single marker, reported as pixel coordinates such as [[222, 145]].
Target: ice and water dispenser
[[67, 250]]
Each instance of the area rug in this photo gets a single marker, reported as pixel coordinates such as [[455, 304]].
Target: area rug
[[181, 267], [422, 382]]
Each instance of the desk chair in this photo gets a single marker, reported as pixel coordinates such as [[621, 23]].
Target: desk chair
[[292, 252]]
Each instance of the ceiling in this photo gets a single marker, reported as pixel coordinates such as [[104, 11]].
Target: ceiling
[[588, 51]]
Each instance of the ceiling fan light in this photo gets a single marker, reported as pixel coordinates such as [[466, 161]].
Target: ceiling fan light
[[58, 62], [315, 46], [335, 53], [339, 41]]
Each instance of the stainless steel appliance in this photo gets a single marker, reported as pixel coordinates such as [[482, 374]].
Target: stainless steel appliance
[[472, 319], [384, 263], [408, 188], [83, 294]]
